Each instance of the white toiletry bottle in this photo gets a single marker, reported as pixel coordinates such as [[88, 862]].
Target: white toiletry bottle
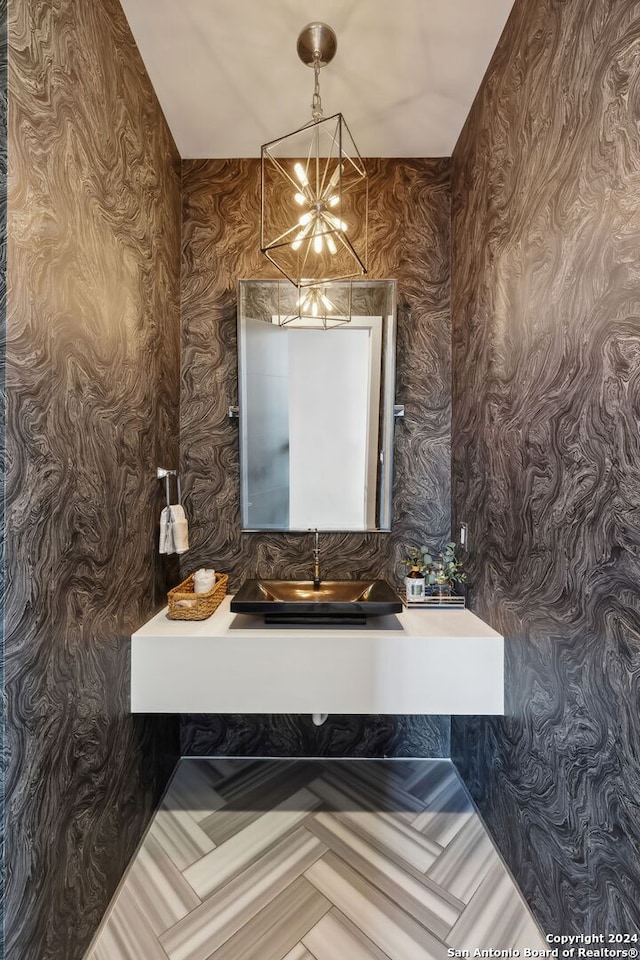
[[415, 584]]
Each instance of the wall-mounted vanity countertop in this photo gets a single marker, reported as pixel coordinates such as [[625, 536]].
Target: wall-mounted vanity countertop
[[419, 662]]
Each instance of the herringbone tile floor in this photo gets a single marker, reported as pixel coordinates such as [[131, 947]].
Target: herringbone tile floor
[[315, 860]]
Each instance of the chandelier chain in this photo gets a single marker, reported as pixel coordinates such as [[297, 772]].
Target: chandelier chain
[[316, 103]]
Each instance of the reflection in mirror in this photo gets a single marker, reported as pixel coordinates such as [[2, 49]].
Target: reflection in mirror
[[316, 409]]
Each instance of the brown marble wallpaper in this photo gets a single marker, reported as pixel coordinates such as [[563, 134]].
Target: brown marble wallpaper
[[92, 408], [546, 451], [408, 241], [3, 339]]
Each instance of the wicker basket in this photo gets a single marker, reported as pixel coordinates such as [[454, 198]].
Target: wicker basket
[[184, 604]]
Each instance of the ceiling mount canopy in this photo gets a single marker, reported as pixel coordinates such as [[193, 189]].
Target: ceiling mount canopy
[[317, 44], [314, 187]]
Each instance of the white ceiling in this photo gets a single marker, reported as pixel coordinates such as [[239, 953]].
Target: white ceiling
[[228, 77]]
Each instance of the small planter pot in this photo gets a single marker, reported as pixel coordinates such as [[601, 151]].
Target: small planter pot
[[439, 589], [446, 594]]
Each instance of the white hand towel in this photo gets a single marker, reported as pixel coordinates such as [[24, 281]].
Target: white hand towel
[[204, 581], [166, 539], [179, 529], [174, 530]]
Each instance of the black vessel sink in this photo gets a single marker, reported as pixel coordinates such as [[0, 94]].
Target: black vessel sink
[[333, 602]]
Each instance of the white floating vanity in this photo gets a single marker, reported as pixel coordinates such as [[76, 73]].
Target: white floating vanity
[[418, 662]]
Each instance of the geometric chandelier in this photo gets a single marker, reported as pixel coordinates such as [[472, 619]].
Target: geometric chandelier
[[323, 306], [315, 188]]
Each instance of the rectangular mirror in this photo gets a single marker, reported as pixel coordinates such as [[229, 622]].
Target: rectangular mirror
[[316, 406]]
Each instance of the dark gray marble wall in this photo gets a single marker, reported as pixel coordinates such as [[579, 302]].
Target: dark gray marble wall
[[3, 347], [546, 449], [292, 735], [409, 241], [92, 408]]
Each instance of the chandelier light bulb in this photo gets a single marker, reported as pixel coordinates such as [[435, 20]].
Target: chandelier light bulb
[[301, 174], [313, 301]]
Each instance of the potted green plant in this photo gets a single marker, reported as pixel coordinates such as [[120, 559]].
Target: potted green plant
[[414, 559], [443, 574]]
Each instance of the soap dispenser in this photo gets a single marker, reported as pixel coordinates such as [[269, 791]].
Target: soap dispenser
[[414, 582]]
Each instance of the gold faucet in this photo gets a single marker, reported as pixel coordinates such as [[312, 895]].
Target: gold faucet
[[316, 562]]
